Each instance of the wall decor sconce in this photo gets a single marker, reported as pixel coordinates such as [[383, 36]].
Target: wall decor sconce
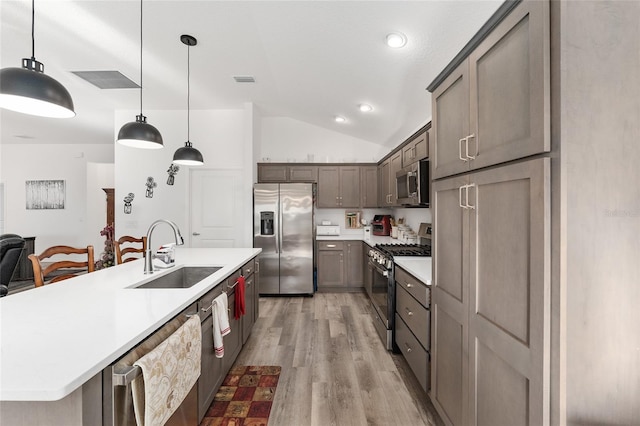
[[150, 185], [127, 203], [173, 170]]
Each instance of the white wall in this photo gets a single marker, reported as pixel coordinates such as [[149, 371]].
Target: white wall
[[287, 140], [22, 162], [219, 135]]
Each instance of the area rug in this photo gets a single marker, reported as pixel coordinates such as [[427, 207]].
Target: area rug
[[244, 398]]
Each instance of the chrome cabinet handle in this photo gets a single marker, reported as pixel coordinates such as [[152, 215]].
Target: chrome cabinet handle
[[460, 189], [195, 233], [409, 285], [469, 206], [331, 245], [206, 310], [460, 150], [408, 312], [408, 347]]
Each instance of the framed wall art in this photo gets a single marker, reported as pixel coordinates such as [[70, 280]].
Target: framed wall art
[[45, 194]]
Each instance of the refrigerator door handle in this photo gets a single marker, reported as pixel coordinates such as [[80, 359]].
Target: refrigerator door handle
[[280, 226]]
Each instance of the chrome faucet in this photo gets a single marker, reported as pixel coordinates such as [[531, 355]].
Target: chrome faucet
[[148, 256]]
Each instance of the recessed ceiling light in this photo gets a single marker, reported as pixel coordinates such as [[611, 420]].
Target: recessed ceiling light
[[365, 107], [396, 40], [340, 119]]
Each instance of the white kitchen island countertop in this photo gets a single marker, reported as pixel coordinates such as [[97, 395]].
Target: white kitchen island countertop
[[55, 338]]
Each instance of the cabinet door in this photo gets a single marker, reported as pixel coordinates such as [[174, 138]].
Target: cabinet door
[[328, 186], [509, 86], [211, 372], [451, 122], [369, 186], [330, 268], [233, 340], [303, 173], [349, 186], [450, 304], [509, 286], [272, 173], [395, 165], [249, 304], [384, 191], [354, 265], [416, 150]]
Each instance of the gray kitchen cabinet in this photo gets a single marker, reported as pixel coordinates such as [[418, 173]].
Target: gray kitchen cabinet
[[354, 271], [250, 297], [211, 371], [233, 340], [368, 186], [494, 107], [490, 306], [417, 149], [330, 265], [413, 324], [388, 193], [273, 173], [338, 186]]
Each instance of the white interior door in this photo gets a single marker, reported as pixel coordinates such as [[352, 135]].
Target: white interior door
[[217, 208]]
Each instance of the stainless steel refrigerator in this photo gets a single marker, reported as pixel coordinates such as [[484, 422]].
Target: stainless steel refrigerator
[[283, 229]]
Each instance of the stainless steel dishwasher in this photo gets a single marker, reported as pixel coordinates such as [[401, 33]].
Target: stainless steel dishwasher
[[117, 400]]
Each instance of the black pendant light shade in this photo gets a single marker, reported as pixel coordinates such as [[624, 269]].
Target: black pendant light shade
[[29, 90], [139, 133], [188, 155]]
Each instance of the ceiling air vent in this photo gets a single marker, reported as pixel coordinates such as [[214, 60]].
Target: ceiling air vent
[[244, 79], [107, 79]]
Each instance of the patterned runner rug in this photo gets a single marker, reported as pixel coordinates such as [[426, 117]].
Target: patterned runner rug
[[244, 398]]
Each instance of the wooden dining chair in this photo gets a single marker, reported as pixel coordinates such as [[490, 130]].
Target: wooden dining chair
[[62, 269], [127, 245]]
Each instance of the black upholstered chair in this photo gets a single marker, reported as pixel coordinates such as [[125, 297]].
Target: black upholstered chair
[[11, 246]]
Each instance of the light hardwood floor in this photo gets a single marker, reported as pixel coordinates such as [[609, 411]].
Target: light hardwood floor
[[335, 370]]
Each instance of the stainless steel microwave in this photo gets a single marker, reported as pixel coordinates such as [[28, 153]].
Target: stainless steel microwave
[[412, 184]]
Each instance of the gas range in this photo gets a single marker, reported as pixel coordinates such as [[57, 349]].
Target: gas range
[[383, 254]]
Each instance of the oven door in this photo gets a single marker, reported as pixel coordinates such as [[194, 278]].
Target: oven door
[[380, 301]]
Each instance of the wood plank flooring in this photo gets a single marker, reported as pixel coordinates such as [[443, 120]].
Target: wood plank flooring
[[335, 370]]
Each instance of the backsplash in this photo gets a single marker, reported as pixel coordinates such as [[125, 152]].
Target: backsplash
[[412, 217]]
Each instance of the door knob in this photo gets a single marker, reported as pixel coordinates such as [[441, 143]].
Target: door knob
[[195, 233]]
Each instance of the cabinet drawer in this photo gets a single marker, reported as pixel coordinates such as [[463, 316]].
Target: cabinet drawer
[[417, 357], [204, 304], [415, 287], [330, 245], [249, 268], [415, 316]]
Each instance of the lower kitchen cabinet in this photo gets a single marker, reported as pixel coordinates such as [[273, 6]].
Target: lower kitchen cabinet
[[491, 295], [340, 266], [413, 324], [250, 303]]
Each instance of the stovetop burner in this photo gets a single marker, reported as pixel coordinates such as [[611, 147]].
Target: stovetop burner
[[404, 249]]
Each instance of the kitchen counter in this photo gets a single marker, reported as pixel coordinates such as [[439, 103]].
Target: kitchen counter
[[359, 237], [418, 266], [55, 338]]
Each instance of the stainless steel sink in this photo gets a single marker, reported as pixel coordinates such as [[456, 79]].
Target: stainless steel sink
[[184, 277]]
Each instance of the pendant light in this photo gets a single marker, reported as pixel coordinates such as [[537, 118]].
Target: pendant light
[[139, 133], [188, 155], [29, 90]]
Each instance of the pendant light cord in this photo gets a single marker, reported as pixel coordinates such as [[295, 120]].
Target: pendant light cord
[[140, 57], [33, 38], [188, 92]]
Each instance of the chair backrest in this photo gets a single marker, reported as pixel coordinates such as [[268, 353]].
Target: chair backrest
[[11, 247], [127, 245], [65, 268]]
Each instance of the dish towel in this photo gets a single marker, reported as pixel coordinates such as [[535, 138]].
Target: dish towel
[[239, 308], [168, 373], [220, 313]]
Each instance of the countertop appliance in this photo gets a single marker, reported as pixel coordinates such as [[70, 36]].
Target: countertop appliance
[[381, 225], [382, 286], [412, 184], [283, 229]]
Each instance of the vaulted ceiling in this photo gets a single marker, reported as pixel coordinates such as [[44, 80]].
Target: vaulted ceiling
[[311, 60]]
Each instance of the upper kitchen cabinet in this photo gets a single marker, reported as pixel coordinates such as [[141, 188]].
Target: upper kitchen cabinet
[[388, 193], [417, 149], [369, 186], [338, 186], [276, 173], [494, 106]]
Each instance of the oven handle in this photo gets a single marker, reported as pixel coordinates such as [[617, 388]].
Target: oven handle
[[379, 269]]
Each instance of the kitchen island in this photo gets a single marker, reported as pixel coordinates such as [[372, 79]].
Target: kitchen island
[[56, 340]]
